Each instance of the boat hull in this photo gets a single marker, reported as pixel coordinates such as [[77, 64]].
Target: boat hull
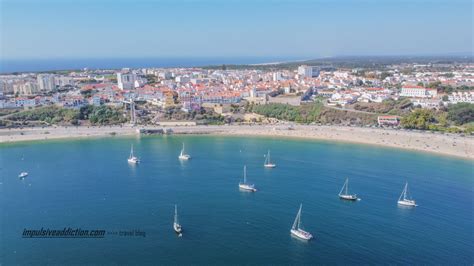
[[184, 157], [348, 197], [133, 160], [247, 188], [301, 234], [23, 175], [269, 165], [177, 228], [410, 203]]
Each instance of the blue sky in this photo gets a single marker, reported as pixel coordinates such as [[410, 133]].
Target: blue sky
[[200, 28]]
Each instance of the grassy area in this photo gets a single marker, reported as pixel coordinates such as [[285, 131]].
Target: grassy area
[[456, 118], [312, 112], [101, 115], [4, 112], [400, 107]]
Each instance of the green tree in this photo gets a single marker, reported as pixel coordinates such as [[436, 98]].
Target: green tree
[[385, 75], [443, 119], [461, 113], [418, 119]]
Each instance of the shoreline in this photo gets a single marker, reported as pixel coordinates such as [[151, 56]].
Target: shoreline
[[421, 141]]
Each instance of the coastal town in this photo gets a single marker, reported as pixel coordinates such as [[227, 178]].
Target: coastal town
[[221, 95], [240, 132]]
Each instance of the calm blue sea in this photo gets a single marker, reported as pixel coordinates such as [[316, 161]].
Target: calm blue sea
[[24, 65], [88, 184]]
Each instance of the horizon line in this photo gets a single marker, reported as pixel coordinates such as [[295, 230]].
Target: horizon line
[[301, 57]]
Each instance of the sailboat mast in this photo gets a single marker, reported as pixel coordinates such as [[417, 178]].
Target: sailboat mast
[[268, 156], [175, 213], [245, 174], [342, 189], [347, 185], [299, 216], [403, 192], [296, 223], [404, 196]]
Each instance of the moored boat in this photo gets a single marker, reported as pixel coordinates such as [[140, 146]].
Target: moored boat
[[244, 185], [132, 158], [176, 226], [296, 229], [23, 175], [405, 199], [268, 163], [344, 193], [183, 155]]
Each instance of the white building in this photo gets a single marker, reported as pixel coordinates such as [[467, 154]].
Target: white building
[[6, 87], [46, 82], [25, 88], [277, 76], [4, 103], [138, 82], [182, 79], [418, 92], [342, 98], [165, 75], [63, 81], [388, 120], [126, 81], [308, 71], [461, 97], [25, 102], [427, 103]]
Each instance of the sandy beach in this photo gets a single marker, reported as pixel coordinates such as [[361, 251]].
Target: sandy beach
[[445, 144]]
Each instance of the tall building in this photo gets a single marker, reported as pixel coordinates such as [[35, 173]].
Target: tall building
[[165, 75], [45, 82], [63, 81], [25, 88], [6, 87], [308, 71], [126, 81], [277, 76]]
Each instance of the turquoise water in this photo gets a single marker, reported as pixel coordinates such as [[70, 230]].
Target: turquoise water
[[89, 184]]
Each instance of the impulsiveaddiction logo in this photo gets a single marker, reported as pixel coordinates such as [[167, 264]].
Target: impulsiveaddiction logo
[[68, 232], [64, 233]]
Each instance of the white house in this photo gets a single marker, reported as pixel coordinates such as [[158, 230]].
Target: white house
[[461, 97], [418, 92]]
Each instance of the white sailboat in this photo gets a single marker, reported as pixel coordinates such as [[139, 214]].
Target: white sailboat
[[23, 175], [268, 163], [344, 194], [244, 185], [296, 228], [132, 158], [183, 155], [405, 198], [176, 226]]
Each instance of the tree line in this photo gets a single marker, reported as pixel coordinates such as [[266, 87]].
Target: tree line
[[96, 115]]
